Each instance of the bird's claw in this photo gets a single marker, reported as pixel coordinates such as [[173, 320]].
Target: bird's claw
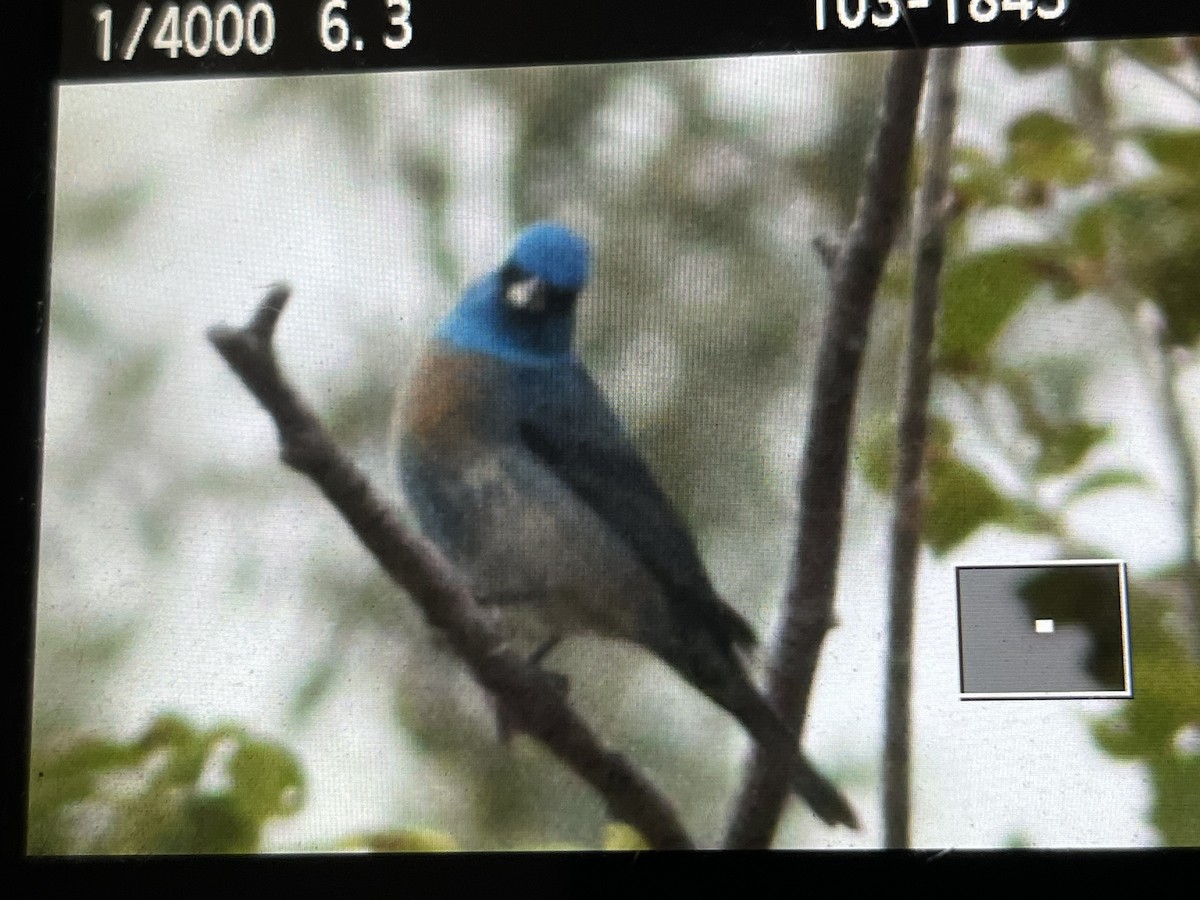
[[560, 682], [561, 685]]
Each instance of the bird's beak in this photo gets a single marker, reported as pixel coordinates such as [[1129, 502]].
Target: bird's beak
[[528, 294]]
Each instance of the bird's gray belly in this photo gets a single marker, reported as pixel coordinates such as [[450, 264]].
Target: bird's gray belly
[[530, 547]]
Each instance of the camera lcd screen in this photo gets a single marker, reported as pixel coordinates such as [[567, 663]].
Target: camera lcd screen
[[513, 429]]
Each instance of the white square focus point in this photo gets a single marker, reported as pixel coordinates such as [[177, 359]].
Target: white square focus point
[[1044, 626]]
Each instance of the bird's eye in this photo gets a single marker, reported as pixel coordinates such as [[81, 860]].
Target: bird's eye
[[524, 294]]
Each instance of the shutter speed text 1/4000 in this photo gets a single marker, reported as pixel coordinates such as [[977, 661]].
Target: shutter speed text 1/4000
[[227, 29]]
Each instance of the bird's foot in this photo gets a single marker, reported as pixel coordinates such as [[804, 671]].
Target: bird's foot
[[560, 682], [505, 727]]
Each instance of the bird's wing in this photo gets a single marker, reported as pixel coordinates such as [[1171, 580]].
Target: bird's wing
[[570, 427]]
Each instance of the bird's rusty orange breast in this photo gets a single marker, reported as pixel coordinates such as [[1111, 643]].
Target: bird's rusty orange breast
[[442, 409]]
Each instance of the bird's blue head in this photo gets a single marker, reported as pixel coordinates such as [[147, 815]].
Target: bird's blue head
[[525, 310]]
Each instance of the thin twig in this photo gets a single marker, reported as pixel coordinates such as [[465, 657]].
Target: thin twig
[[929, 253], [808, 608], [1160, 355], [529, 698], [1189, 482], [828, 251], [1093, 106]]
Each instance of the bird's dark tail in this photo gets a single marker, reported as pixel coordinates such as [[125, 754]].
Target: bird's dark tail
[[764, 725], [723, 678], [821, 795]]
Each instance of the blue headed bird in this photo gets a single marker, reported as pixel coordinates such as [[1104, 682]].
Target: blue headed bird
[[518, 468]]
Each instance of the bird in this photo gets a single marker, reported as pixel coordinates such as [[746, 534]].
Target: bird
[[519, 469]]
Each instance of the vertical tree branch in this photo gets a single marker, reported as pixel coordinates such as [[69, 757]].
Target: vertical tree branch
[[1185, 456], [929, 252], [1093, 107], [809, 601]]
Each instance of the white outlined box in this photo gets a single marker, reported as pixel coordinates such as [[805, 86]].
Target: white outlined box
[[1055, 629]]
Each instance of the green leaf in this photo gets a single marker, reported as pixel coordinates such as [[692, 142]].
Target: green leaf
[[1043, 147], [1090, 231], [978, 180], [980, 295], [1176, 149], [960, 500], [1165, 705], [1065, 446], [150, 794], [619, 836], [407, 840], [212, 823], [1105, 480], [1026, 58], [877, 455], [168, 731], [1027, 518], [95, 757], [1153, 51], [1158, 222], [267, 780], [1177, 799]]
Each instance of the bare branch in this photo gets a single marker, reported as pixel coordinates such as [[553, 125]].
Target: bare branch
[[1184, 448], [809, 602], [929, 252], [828, 251], [528, 697], [1161, 359], [1093, 106]]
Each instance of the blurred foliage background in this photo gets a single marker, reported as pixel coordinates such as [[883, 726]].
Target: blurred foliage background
[[188, 581]]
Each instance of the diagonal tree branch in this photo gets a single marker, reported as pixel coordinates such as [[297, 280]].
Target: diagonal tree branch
[[528, 697], [809, 602], [929, 253]]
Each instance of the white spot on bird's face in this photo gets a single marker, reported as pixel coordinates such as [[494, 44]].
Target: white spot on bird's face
[[524, 294]]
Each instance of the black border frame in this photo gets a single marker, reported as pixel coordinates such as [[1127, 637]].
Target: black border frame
[[469, 33], [35, 48]]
